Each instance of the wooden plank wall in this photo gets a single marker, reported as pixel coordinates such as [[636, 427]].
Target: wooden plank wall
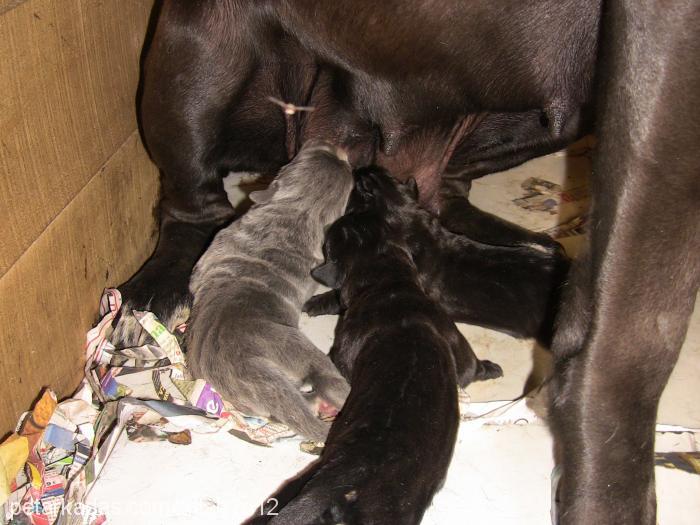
[[77, 190]]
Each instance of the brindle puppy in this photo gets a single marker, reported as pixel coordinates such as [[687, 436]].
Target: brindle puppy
[[389, 450], [510, 289], [248, 290]]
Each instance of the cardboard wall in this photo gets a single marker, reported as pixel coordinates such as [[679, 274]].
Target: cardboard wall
[[77, 190]]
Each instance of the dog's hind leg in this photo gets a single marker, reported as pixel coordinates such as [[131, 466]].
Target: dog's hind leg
[[620, 337], [286, 403], [330, 387], [310, 379], [203, 113], [499, 142], [262, 386], [460, 216], [272, 370]]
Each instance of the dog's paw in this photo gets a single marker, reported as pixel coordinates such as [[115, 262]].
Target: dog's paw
[[167, 298], [327, 303], [128, 332], [487, 370]]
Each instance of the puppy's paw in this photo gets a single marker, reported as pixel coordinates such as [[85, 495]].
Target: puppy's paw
[[487, 370], [327, 303]]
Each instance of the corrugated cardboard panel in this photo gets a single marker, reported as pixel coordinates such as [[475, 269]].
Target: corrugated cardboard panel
[[68, 78], [49, 298], [6, 5]]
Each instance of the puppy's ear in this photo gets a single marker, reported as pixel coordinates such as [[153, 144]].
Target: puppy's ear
[[327, 274], [262, 196], [412, 186]]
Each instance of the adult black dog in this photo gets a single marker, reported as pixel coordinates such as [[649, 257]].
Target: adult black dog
[[404, 358], [422, 88], [465, 88]]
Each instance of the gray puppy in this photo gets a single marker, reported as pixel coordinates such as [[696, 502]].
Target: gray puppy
[[248, 289]]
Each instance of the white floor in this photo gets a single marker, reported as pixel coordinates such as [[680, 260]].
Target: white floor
[[500, 474]]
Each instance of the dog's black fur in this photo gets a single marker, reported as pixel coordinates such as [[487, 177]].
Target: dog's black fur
[[404, 357], [627, 309], [511, 289], [462, 89]]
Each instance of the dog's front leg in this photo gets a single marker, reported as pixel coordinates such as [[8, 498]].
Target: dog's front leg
[[460, 216], [326, 303], [624, 323], [499, 142], [204, 112]]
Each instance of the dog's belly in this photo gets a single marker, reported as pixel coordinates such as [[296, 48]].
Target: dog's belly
[[417, 61], [410, 80]]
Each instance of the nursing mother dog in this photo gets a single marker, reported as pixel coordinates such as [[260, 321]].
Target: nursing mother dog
[[445, 91]]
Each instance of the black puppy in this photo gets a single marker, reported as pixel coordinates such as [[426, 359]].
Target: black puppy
[[389, 449], [511, 289]]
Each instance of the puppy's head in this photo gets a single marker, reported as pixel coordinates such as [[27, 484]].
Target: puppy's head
[[375, 187], [365, 229], [319, 176]]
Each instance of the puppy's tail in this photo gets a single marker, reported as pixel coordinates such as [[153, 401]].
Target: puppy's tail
[[306, 385], [289, 382]]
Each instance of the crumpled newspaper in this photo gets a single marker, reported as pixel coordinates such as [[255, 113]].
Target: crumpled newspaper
[[59, 441], [173, 400], [48, 466], [541, 195]]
